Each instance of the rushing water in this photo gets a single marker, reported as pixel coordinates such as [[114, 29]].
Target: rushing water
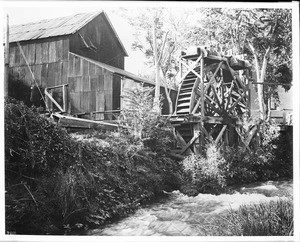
[[181, 215]]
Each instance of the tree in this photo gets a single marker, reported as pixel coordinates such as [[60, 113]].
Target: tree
[[160, 35], [264, 35]]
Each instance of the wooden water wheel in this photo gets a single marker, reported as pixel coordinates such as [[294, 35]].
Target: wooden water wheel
[[210, 98]]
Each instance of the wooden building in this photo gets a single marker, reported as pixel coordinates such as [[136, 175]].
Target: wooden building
[[78, 60]]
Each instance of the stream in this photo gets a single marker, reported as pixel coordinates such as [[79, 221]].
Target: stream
[[181, 215]]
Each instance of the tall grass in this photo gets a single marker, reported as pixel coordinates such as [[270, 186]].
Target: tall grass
[[274, 218]]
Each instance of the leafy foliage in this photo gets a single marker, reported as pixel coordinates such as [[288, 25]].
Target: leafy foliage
[[56, 182], [146, 125], [206, 174], [264, 219]]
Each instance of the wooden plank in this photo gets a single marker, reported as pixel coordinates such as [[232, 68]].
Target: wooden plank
[[38, 53], [72, 84], [28, 77], [98, 70], [65, 98], [85, 84], [71, 66], [25, 51], [31, 54], [12, 51], [78, 66], [45, 52], [94, 83], [57, 73], [52, 51], [220, 134], [50, 76], [85, 102], [108, 83], [74, 102], [92, 69], [100, 104], [17, 56], [38, 73], [65, 49], [64, 75], [85, 67], [79, 122], [59, 50], [92, 101], [49, 94], [108, 99]]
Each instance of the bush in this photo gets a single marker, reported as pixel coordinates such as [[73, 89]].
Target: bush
[[264, 219], [205, 174], [143, 123], [55, 183]]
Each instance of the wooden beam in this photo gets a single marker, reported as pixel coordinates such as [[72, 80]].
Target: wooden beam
[[216, 95], [190, 68], [86, 123], [236, 102], [242, 139], [48, 95], [229, 95], [220, 134], [182, 142], [206, 88], [6, 57], [250, 137], [196, 135], [218, 111]]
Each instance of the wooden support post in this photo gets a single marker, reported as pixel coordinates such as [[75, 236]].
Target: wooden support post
[[65, 98], [220, 134], [182, 142], [202, 83], [6, 60], [190, 142], [202, 104], [197, 146], [48, 100]]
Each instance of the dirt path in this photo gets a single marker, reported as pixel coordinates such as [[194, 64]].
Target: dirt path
[[181, 215]]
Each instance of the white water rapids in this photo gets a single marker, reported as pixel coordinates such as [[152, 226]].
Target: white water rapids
[[181, 215]]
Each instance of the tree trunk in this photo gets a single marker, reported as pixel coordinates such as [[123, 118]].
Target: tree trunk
[[156, 65], [260, 76], [170, 103]]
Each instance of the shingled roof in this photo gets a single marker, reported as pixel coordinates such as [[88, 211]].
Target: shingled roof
[[55, 27]]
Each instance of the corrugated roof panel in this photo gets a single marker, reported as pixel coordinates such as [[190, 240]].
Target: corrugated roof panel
[[50, 27]]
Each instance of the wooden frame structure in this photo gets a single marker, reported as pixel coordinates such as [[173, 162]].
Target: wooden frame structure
[[211, 96]]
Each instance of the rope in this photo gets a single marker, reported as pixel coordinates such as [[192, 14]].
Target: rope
[[18, 43]]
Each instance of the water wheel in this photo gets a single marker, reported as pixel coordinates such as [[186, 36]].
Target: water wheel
[[210, 98]]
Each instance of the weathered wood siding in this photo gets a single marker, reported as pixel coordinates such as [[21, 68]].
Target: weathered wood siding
[[90, 87], [99, 33], [48, 60]]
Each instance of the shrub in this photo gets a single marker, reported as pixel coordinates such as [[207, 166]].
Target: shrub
[[55, 183], [205, 174], [273, 218], [143, 123]]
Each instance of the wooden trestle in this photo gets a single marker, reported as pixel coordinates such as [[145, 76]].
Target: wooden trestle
[[210, 98]]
